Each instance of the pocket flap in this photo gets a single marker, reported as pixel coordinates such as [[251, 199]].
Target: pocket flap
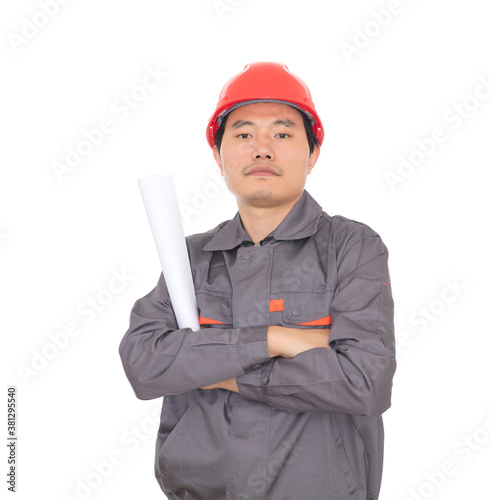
[[214, 309], [306, 309]]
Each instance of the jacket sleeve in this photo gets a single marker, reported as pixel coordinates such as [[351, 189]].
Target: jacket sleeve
[[160, 359], [355, 376]]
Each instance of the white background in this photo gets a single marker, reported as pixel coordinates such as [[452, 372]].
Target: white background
[[62, 237]]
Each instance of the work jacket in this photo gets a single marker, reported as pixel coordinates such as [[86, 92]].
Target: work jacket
[[306, 428]]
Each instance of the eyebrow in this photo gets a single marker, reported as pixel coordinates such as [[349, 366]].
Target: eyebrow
[[242, 123]]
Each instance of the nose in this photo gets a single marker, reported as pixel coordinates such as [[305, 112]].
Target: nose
[[262, 150]]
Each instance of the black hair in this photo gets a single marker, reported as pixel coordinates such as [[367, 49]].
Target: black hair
[[312, 140]]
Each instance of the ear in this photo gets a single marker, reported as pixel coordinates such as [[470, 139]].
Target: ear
[[217, 158], [313, 159]]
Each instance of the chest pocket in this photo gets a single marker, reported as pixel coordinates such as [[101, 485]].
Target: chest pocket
[[215, 309], [306, 309]]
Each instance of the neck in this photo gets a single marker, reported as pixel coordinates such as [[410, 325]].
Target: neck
[[259, 221]]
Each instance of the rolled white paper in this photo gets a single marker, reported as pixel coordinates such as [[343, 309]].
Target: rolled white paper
[[162, 209]]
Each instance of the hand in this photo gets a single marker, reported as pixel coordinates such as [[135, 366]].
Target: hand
[[289, 342], [229, 385]]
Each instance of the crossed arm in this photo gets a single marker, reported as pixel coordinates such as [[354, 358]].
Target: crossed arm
[[283, 367], [286, 343]]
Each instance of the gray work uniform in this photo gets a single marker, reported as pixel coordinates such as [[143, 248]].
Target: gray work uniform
[[307, 428]]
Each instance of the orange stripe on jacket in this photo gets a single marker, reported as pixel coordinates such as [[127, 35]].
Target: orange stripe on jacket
[[207, 321], [276, 305], [322, 321]]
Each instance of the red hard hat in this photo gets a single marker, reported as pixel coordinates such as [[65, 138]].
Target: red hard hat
[[264, 81]]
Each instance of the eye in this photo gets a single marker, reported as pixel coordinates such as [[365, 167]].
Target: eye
[[283, 135], [243, 136]]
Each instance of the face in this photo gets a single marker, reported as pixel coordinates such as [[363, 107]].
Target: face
[[265, 157]]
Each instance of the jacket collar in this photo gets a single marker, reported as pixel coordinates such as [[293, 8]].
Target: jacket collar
[[300, 222]]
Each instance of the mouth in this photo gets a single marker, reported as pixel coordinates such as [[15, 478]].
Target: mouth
[[262, 171]]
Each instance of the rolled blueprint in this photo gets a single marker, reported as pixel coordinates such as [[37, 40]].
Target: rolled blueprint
[[162, 209]]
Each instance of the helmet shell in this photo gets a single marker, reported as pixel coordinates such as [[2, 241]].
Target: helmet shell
[[264, 81]]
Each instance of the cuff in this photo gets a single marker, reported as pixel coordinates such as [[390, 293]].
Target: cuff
[[252, 347], [249, 385]]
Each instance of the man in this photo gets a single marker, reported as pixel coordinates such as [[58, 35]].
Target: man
[[280, 394]]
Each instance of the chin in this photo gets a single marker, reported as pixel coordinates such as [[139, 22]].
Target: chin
[[260, 194]]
